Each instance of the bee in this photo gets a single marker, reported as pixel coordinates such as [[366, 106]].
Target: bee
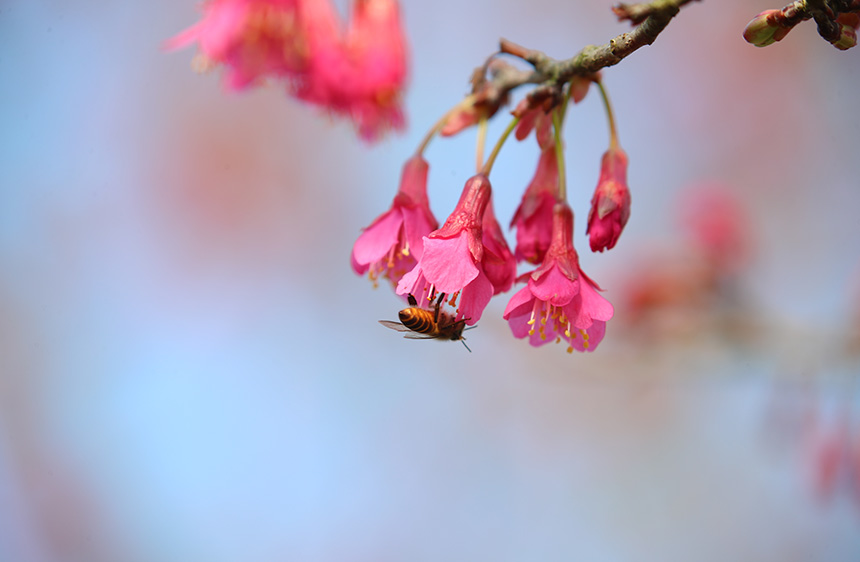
[[424, 324]]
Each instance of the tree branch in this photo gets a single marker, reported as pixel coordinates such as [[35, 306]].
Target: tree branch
[[650, 19]]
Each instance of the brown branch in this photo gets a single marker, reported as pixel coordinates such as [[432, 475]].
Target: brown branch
[[650, 18]]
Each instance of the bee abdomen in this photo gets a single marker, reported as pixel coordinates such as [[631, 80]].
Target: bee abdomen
[[418, 320]]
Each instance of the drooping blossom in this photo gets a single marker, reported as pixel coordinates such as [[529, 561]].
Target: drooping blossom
[[256, 39], [498, 262], [362, 76], [533, 217], [358, 72], [452, 259], [533, 119], [610, 205], [392, 244], [715, 222], [560, 302]]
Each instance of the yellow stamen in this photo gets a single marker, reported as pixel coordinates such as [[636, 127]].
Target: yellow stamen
[[570, 349]]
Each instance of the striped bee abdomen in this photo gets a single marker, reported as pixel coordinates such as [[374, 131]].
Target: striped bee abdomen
[[418, 320]]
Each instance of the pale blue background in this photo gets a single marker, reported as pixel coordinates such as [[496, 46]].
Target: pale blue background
[[189, 370]]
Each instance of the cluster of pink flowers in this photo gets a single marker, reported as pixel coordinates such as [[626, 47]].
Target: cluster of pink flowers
[[467, 261], [357, 70]]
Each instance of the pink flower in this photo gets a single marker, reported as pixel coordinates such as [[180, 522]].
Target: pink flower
[[498, 261], [362, 76], [716, 223], [251, 38], [452, 258], [610, 206], [359, 72], [533, 218], [560, 301], [392, 244]]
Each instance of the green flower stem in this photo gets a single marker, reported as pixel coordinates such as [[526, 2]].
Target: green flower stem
[[613, 132], [489, 164], [559, 153], [435, 129], [481, 142]]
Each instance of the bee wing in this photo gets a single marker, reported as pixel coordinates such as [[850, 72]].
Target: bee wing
[[419, 336], [394, 325]]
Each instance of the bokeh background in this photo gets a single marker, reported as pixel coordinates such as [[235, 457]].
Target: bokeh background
[[190, 371]]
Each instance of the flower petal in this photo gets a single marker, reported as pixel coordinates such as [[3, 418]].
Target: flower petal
[[555, 287], [447, 263], [378, 238], [594, 305], [416, 225], [474, 298]]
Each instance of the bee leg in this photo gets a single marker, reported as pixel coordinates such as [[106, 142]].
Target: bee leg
[[411, 299], [436, 309]]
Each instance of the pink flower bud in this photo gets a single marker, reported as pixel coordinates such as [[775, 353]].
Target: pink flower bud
[[610, 205]]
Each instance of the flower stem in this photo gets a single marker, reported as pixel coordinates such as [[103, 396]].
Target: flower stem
[[559, 153], [435, 129], [613, 133], [481, 142], [489, 164]]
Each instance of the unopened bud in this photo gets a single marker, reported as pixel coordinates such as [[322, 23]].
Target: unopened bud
[[849, 23], [766, 29], [610, 205]]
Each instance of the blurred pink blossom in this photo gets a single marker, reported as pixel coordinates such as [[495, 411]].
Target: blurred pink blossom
[[359, 73]]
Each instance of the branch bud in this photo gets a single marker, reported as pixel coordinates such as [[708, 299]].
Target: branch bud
[[849, 23], [767, 28]]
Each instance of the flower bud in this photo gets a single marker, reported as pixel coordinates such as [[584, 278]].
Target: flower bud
[[766, 29], [610, 206], [849, 23]]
